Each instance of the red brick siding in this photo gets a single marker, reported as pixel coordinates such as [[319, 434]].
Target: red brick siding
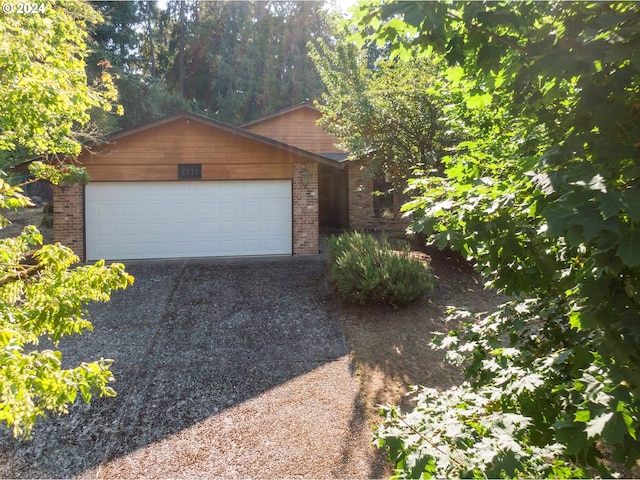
[[361, 212], [360, 198], [305, 210], [390, 224], [68, 217]]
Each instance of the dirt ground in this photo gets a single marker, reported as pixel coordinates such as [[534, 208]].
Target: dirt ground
[[389, 348], [23, 217]]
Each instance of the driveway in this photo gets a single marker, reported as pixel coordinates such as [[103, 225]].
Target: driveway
[[224, 368]]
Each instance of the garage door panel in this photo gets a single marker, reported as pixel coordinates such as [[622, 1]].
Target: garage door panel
[[183, 219], [127, 231], [129, 209]]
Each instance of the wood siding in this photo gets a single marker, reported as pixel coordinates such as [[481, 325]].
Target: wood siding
[[155, 154], [298, 128]]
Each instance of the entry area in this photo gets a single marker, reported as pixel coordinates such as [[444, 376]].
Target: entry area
[[147, 220]]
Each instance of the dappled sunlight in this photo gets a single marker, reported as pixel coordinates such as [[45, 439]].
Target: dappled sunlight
[[311, 411], [223, 368]]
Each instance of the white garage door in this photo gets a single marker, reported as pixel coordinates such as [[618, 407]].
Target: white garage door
[[136, 220]]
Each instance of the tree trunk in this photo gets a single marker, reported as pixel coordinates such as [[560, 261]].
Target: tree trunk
[[181, 51], [151, 46]]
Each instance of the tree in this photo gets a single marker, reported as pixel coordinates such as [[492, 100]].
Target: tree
[[387, 112], [234, 61], [43, 64], [44, 99], [116, 39], [150, 14], [544, 195], [242, 60]]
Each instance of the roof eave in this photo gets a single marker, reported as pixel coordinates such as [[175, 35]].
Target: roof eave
[[228, 128]]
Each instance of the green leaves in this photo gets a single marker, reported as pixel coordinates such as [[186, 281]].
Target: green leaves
[[388, 113], [43, 98], [449, 434], [44, 94], [43, 296], [629, 248], [369, 271], [543, 193]]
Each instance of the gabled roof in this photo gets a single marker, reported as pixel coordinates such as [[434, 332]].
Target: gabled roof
[[334, 160], [227, 128], [281, 112]]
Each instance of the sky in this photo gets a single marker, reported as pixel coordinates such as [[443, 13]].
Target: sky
[[344, 5]]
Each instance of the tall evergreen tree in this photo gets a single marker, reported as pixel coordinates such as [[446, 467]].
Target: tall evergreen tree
[[244, 59], [234, 61], [117, 39]]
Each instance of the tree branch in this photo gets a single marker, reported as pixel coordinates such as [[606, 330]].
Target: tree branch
[[21, 275]]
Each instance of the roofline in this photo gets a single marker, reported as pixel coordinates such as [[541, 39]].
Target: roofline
[[226, 127], [220, 125], [280, 112]]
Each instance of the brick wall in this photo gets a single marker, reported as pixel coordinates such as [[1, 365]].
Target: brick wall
[[390, 224], [360, 199], [361, 212], [68, 217], [305, 210]]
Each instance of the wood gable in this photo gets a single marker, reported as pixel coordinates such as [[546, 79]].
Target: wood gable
[[153, 152], [296, 126]]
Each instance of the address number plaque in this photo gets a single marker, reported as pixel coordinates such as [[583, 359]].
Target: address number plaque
[[190, 170]]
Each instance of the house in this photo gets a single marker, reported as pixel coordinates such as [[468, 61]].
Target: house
[[190, 186]]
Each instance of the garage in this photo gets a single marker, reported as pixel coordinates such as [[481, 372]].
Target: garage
[[142, 220], [189, 186]]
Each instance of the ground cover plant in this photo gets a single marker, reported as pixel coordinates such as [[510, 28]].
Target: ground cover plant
[[369, 271]]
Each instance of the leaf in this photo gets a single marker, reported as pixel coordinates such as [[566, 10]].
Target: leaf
[[631, 199], [478, 101], [616, 430], [610, 204], [582, 416], [596, 426], [528, 383], [629, 248], [6, 335], [571, 435], [575, 320]]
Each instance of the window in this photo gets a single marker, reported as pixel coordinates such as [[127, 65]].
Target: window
[[387, 200]]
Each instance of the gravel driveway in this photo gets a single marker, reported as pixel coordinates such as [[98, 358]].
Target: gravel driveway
[[224, 368]]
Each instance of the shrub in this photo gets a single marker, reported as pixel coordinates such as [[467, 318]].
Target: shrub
[[368, 271]]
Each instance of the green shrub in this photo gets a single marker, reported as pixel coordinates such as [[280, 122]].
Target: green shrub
[[368, 271]]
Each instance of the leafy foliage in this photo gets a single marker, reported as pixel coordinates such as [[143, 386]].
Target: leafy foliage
[[232, 61], [144, 101], [388, 113], [44, 99], [42, 296], [368, 271], [543, 194], [450, 434], [43, 85]]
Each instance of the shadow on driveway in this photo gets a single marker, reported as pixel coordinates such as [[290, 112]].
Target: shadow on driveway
[[191, 340]]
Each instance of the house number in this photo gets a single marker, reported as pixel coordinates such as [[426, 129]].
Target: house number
[[190, 170]]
